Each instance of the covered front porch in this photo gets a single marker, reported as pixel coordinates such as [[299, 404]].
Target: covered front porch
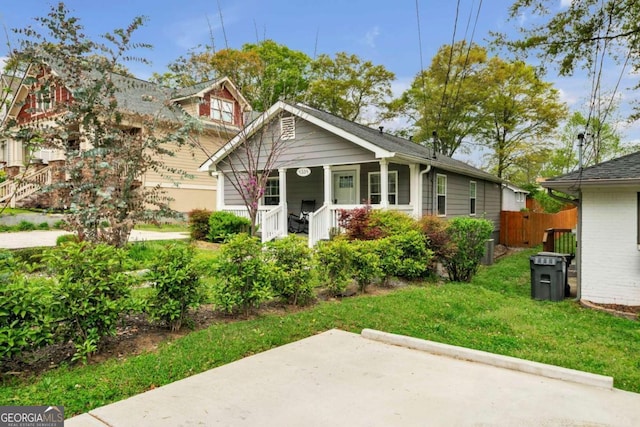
[[331, 188]]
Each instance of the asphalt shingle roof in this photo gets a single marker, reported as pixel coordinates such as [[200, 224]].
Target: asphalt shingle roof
[[625, 167], [396, 144]]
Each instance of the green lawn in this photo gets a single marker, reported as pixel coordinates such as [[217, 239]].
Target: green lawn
[[173, 227], [494, 313]]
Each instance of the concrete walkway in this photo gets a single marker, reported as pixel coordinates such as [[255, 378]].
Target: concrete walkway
[[376, 379], [30, 239]]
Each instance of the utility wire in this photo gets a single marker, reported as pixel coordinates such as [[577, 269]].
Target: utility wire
[[446, 80]]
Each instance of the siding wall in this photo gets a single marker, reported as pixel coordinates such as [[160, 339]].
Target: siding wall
[[312, 146], [487, 197], [196, 192], [610, 257]]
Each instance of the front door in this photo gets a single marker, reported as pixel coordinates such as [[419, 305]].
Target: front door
[[344, 187]]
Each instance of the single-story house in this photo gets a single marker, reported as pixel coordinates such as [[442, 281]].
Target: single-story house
[[339, 164], [219, 107], [513, 198], [608, 252]]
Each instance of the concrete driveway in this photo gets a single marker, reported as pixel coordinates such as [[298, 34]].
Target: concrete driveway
[[376, 379], [30, 239]]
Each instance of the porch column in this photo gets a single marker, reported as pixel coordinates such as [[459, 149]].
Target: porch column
[[414, 194], [15, 154], [327, 185], [384, 183], [219, 190], [282, 172]]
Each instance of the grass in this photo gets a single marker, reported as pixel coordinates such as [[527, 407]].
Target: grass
[[493, 313], [15, 211], [173, 227]]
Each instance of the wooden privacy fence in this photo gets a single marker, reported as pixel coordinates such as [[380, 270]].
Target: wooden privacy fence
[[526, 229]]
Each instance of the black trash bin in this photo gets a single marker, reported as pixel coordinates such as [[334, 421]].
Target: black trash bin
[[549, 276]]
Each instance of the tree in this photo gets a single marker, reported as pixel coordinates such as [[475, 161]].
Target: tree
[[523, 112], [601, 142], [263, 72], [254, 160], [580, 35], [349, 87], [444, 100], [106, 147]]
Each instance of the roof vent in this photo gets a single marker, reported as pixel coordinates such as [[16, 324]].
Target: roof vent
[[381, 128]]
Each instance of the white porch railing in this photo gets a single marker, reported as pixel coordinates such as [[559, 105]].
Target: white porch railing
[[319, 225], [272, 224], [321, 222], [17, 190]]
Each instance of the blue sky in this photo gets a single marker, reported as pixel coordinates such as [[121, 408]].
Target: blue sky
[[385, 32]]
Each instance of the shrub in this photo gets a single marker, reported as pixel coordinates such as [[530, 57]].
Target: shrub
[[468, 236], [240, 281], [356, 223], [391, 222], [438, 240], [335, 262], [199, 223], [66, 238], [409, 257], [28, 311], [29, 255], [59, 225], [43, 226], [224, 224], [93, 289], [366, 263], [177, 285], [26, 226], [290, 269]]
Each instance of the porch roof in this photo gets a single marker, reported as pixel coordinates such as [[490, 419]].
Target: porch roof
[[382, 144]]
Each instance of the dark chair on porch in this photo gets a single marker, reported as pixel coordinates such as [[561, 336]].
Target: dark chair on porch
[[300, 223]]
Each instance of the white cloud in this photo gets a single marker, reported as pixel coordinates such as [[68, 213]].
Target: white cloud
[[370, 36], [3, 61], [565, 3]]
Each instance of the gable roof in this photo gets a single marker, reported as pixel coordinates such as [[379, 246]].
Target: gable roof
[[383, 145], [199, 89], [618, 172], [514, 188], [142, 97]]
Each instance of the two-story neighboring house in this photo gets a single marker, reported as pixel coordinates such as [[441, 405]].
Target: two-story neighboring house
[[217, 104]]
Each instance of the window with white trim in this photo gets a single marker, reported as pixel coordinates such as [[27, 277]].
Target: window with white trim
[[272, 192], [44, 100], [287, 128], [222, 110], [441, 195], [375, 188], [473, 189]]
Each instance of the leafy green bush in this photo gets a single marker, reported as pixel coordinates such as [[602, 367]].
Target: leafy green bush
[[291, 270], [335, 263], [3, 176], [199, 223], [26, 226], [176, 281], [223, 224], [58, 225], [240, 281], [43, 226], [469, 236], [29, 255], [366, 263], [66, 238], [28, 311], [405, 255], [391, 222], [93, 290]]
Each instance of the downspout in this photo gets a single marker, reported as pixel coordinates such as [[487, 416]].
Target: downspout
[[420, 193]]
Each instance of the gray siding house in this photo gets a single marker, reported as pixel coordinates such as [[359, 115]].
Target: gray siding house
[[343, 165]]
